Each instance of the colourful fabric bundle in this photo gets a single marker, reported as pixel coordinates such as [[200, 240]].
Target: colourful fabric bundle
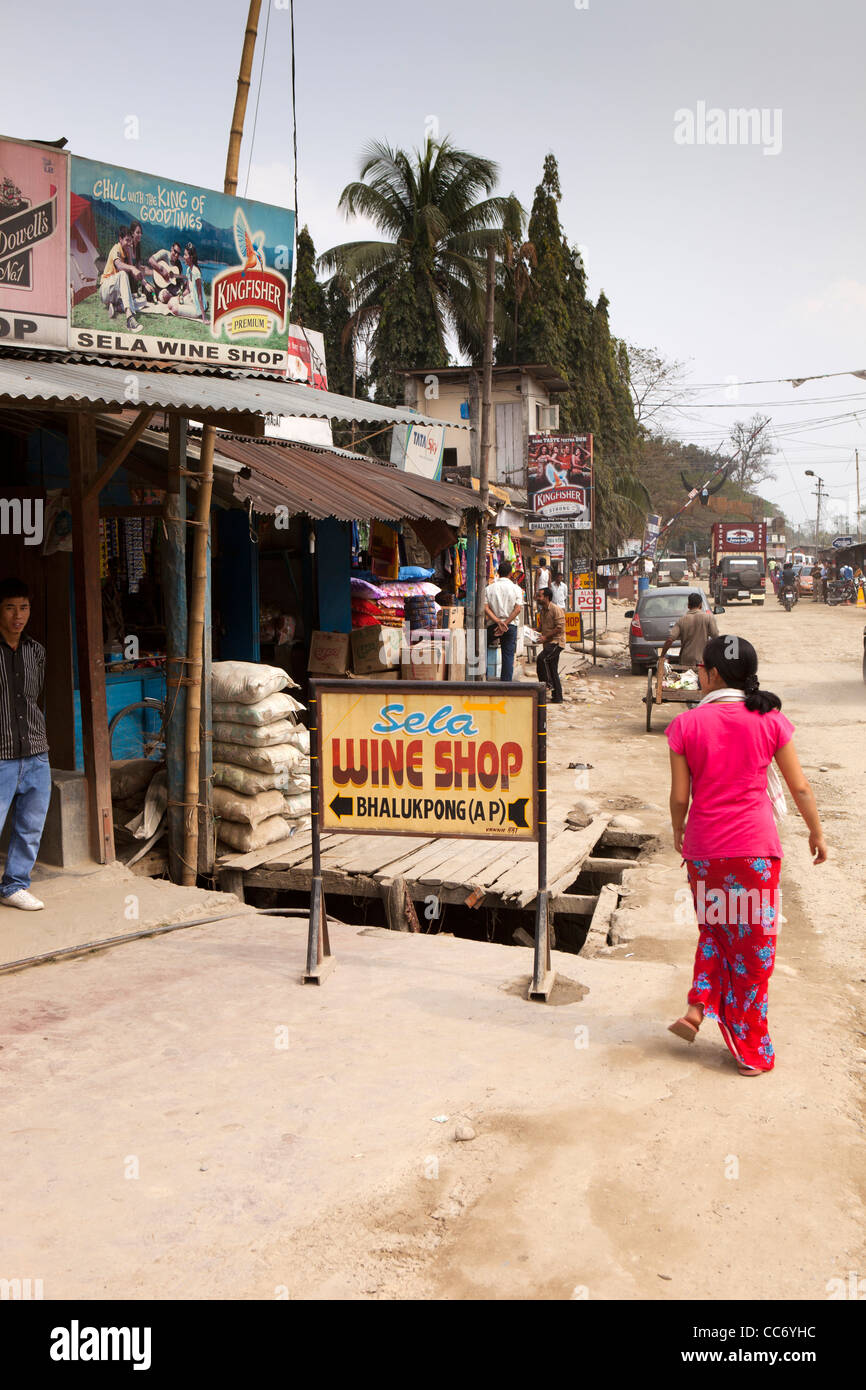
[[421, 612], [395, 588], [362, 588]]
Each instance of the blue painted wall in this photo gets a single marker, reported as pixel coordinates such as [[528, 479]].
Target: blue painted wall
[[333, 567], [236, 588]]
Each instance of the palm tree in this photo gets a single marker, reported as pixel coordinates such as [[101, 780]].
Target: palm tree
[[520, 261], [427, 281]]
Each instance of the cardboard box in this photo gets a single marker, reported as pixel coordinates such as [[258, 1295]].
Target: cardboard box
[[375, 649], [329, 654], [392, 675], [452, 617], [426, 659], [455, 658]]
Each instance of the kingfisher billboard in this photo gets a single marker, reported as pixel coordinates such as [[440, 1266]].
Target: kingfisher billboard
[[559, 472], [176, 272]]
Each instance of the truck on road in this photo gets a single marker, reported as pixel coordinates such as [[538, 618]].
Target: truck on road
[[738, 562]]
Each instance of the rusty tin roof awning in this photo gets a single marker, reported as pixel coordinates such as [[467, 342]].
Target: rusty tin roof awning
[[80, 386], [320, 484]]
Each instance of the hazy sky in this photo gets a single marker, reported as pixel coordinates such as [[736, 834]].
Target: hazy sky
[[746, 264]]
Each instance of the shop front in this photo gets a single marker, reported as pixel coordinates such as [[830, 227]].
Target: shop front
[[109, 565]]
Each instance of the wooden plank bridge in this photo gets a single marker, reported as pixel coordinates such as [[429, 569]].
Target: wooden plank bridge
[[458, 871]]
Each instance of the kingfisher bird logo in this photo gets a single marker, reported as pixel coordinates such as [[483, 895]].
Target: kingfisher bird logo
[[249, 301]]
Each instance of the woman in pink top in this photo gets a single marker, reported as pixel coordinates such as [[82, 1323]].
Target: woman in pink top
[[722, 753]]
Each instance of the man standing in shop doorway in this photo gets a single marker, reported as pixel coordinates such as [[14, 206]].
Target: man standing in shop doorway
[[25, 776]]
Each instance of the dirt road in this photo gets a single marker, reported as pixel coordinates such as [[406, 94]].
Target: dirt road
[[181, 1119]]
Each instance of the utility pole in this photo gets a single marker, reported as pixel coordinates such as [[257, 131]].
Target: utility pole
[[200, 577], [484, 451], [820, 482], [857, 464]]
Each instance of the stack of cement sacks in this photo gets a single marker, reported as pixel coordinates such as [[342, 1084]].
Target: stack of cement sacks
[[261, 756]]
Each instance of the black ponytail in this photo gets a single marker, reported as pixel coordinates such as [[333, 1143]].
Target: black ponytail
[[736, 661]]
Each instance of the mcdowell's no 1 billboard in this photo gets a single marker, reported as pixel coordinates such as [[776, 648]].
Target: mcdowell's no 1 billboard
[[32, 245], [176, 272]]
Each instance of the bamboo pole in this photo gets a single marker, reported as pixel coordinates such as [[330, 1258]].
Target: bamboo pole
[[243, 90], [198, 588], [195, 649]]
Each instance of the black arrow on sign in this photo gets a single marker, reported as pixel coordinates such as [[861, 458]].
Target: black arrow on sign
[[517, 812], [341, 806]]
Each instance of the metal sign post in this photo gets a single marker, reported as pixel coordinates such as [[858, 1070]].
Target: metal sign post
[[543, 975], [319, 958], [429, 758]]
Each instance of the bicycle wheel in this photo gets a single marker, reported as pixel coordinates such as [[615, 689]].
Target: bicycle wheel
[[145, 738]]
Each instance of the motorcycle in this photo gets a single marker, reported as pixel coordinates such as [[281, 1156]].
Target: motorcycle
[[840, 591], [788, 597]]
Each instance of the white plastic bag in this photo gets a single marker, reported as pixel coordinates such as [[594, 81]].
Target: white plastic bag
[[249, 781], [279, 757], [256, 735], [247, 837], [247, 681], [238, 806], [272, 708]]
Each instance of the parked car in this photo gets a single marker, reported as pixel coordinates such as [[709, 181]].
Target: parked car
[[672, 569], [805, 582], [651, 622]]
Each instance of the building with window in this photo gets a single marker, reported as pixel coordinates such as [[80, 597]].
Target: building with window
[[524, 403]]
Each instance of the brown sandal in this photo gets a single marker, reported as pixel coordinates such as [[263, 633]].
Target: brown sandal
[[685, 1029]]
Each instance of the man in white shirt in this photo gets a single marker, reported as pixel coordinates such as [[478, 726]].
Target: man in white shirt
[[503, 604], [560, 589], [542, 576]]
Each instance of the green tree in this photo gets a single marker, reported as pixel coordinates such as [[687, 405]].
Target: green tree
[[427, 280], [544, 322], [308, 296], [558, 324]]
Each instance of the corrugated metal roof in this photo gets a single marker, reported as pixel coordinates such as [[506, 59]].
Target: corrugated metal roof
[[321, 484], [25, 381]]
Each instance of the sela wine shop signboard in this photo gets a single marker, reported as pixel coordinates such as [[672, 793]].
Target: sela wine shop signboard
[[33, 290], [417, 760], [175, 272]]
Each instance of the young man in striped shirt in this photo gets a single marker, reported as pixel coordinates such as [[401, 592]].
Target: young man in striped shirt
[[25, 776]]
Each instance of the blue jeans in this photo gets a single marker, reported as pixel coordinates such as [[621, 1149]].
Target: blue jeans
[[25, 786], [508, 645]]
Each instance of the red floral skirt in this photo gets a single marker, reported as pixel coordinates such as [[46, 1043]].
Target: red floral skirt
[[738, 903]]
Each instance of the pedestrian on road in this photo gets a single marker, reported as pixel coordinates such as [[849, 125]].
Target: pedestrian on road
[[25, 776], [721, 759], [552, 626], [559, 589], [503, 604], [693, 631]]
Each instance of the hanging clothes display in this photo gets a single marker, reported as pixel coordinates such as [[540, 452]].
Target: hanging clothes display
[[134, 552]]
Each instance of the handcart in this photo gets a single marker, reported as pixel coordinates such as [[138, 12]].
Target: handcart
[[658, 693]]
